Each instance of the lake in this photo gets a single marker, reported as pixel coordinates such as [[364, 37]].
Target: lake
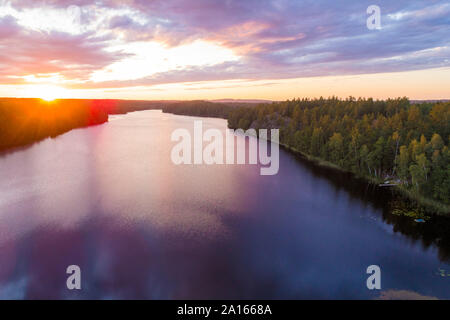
[[109, 199]]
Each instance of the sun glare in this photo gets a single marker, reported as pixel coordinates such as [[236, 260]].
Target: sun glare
[[46, 92]]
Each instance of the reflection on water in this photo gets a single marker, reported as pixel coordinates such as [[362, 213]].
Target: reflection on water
[[109, 199]]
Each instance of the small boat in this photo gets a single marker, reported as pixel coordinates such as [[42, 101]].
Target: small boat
[[419, 220], [387, 184]]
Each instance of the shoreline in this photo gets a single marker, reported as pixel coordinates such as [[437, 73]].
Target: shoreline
[[17, 147], [430, 205]]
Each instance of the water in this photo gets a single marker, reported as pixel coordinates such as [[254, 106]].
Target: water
[[109, 199]]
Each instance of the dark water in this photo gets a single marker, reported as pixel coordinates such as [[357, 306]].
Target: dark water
[[109, 199]]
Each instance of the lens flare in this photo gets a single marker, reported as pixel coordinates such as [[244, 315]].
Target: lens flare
[[46, 92]]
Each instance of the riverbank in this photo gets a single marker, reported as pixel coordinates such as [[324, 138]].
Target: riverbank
[[36, 120], [422, 203], [24, 121], [371, 138], [416, 202], [118, 189]]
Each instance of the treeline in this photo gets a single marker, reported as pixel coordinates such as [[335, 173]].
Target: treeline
[[199, 108], [24, 121], [393, 140], [112, 106]]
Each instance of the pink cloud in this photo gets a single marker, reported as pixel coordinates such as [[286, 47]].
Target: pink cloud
[[274, 39], [26, 52]]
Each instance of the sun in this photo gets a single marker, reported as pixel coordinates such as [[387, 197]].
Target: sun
[[47, 92], [48, 97]]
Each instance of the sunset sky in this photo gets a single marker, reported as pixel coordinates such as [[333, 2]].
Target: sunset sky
[[213, 49]]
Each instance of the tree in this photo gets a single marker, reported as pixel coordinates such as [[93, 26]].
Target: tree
[[413, 116], [424, 165], [364, 156], [419, 171], [396, 139], [376, 156], [355, 146], [403, 163], [436, 142], [316, 141], [336, 146]]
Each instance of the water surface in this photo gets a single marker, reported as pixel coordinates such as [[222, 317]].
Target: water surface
[[109, 199]]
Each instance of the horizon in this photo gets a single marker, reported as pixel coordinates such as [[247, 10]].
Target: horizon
[[224, 156], [226, 100], [174, 51]]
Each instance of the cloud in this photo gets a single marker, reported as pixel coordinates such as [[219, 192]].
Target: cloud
[[24, 52], [273, 39]]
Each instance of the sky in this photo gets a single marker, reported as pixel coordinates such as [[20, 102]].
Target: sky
[[216, 49]]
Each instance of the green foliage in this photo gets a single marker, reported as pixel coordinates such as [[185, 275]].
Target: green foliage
[[198, 108], [336, 147], [387, 140]]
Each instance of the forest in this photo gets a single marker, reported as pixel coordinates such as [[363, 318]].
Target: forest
[[391, 141], [200, 108], [24, 121]]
